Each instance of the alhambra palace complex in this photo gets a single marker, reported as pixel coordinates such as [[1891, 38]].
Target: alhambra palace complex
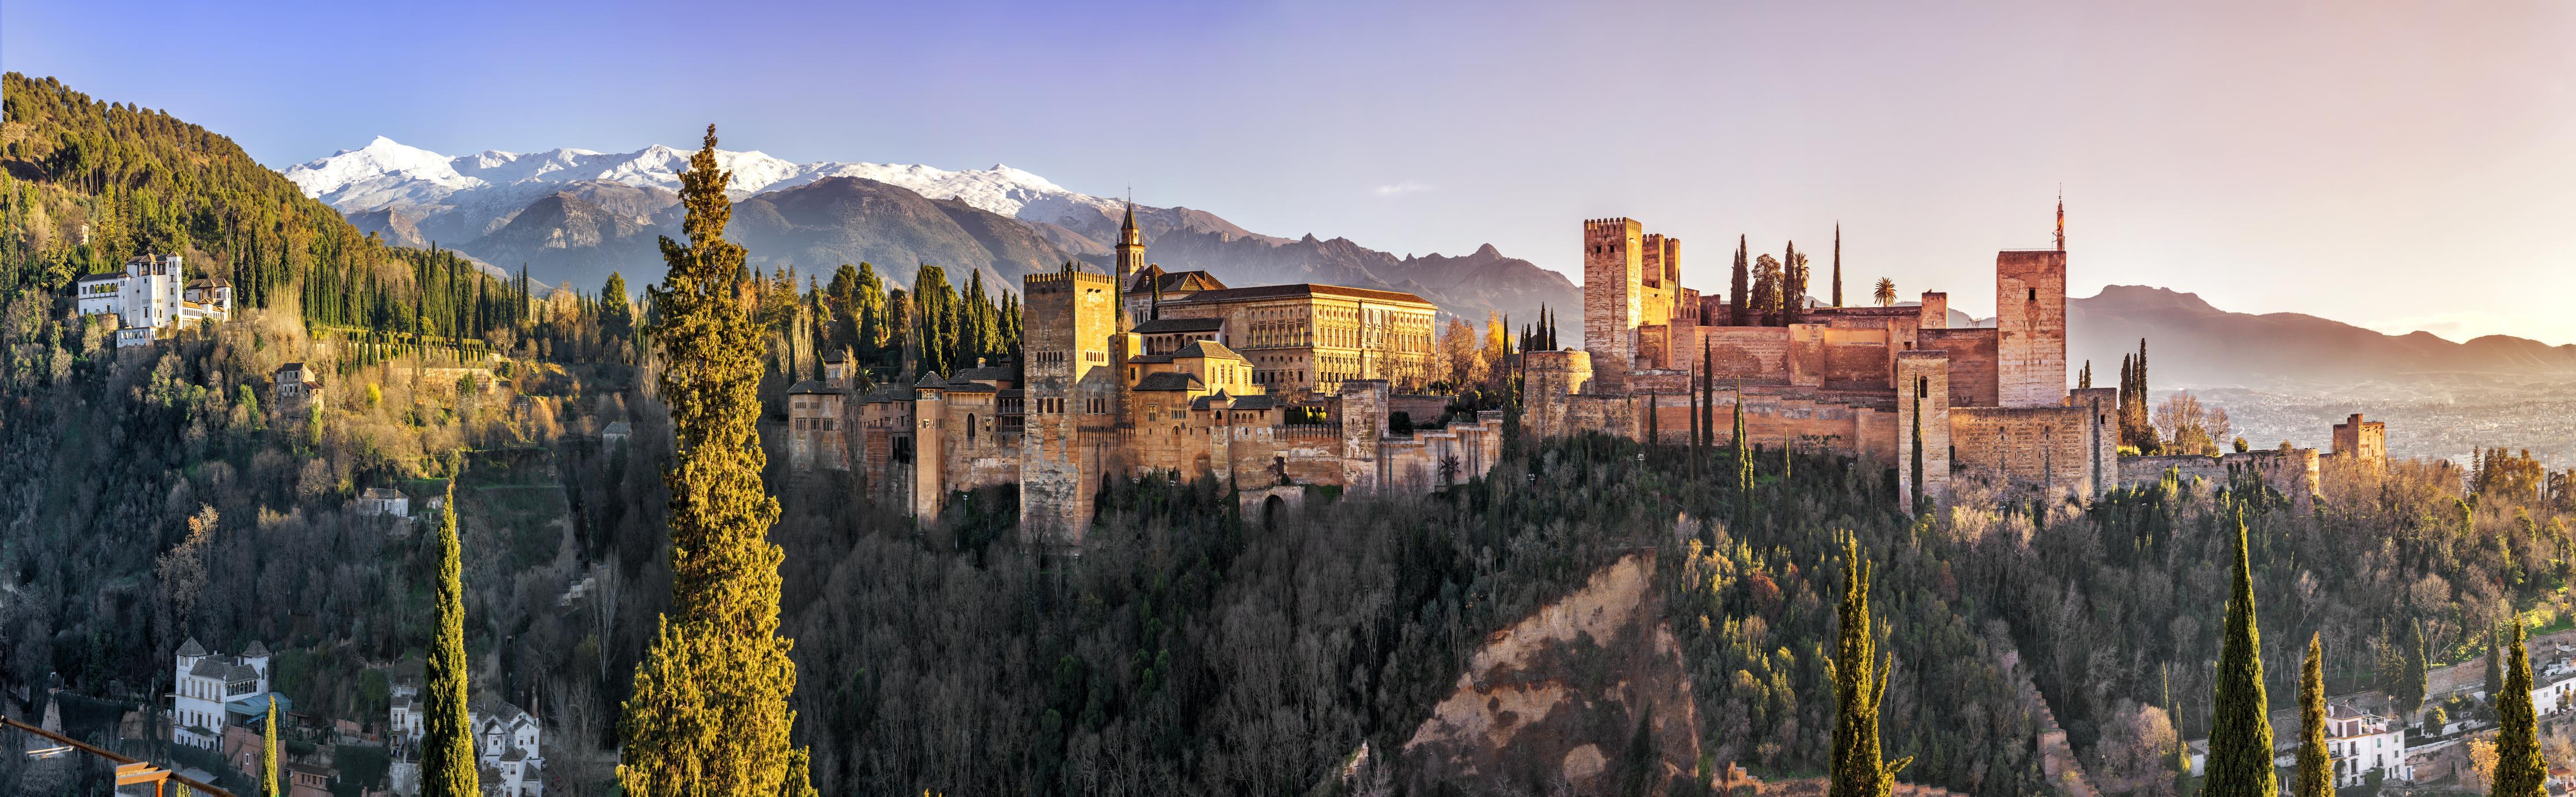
[[1150, 371]]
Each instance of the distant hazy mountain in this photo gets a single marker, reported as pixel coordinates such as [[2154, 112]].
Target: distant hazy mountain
[[2190, 343], [572, 214]]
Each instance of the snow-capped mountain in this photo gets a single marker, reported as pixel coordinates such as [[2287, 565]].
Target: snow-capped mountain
[[575, 215], [487, 187]]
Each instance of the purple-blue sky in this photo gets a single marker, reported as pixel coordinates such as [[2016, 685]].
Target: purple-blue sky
[[2397, 165]]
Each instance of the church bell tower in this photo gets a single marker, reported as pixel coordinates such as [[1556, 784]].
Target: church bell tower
[[1131, 261]]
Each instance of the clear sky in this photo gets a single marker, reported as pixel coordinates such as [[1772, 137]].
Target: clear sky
[[2396, 165]]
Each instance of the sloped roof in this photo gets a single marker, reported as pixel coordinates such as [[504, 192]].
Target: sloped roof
[[372, 493], [211, 667], [1209, 349], [1164, 326], [191, 648], [1168, 381], [102, 276], [617, 427], [1256, 402], [1172, 281], [811, 387], [989, 373], [256, 649], [209, 282], [930, 379], [970, 387], [1296, 290]]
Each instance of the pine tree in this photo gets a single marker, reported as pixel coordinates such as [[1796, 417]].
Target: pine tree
[[2316, 767], [268, 752], [2240, 734], [2519, 771], [709, 713], [1735, 294], [447, 763], [1860, 685]]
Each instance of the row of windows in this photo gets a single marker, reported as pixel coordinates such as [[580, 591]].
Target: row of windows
[[817, 424]]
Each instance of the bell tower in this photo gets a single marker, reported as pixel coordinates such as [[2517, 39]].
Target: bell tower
[[1131, 259]]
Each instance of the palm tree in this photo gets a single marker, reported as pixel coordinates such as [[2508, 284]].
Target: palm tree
[[1886, 292]]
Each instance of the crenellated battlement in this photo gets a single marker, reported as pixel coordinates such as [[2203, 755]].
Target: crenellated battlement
[[1058, 281]]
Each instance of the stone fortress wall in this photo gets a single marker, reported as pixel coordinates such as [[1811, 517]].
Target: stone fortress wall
[[1894, 386], [1844, 380]]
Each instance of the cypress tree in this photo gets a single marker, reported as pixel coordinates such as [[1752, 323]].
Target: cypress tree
[[1743, 450], [1735, 294], [1838, 264], [447, 764], [1695, 429], [2495, 666], [268, 751], [1708, 393], [2316, 767], [1917, 487], [1860, 684], [2240, 734], [709, 711], [2520, 772]]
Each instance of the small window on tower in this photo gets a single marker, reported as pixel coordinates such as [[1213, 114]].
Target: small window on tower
[[2034, 294]]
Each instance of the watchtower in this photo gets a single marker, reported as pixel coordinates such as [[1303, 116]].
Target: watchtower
[[2030, 328], [1067, 321], [1613, 261]]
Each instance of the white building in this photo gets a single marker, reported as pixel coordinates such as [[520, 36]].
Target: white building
[[147, 301], [384, 501], [207, 687], [506, 742], [2362, 743]]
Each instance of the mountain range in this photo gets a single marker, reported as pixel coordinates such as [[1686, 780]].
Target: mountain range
[[573, 215], [2192, 344]]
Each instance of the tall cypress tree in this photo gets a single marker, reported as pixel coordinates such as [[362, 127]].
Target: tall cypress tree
[[447, 765], [1838, 264], [2240, 734], [2316, 767], [1735, 293], [1860, 685], [709, 711], [268, 752], [2520, 772], [1743, 449], [2495, 665], [1917, 485]]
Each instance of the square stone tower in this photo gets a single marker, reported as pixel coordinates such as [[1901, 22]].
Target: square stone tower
[[2030, 328], [1922, 384], [2363, 442], [1067, 320], [1613, 293]]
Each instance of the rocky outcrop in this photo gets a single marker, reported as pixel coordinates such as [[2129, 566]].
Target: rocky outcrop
[[1588, 692]]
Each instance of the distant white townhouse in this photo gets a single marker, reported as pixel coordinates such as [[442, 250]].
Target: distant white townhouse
[[2361, 743], [208, 690], [148, 302], [507, 744]]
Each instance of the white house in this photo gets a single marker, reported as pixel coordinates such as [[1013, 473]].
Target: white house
[[2557, 687], [206, 688], [384, 501], [506, 742], [148, 302], [2362, 743]]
